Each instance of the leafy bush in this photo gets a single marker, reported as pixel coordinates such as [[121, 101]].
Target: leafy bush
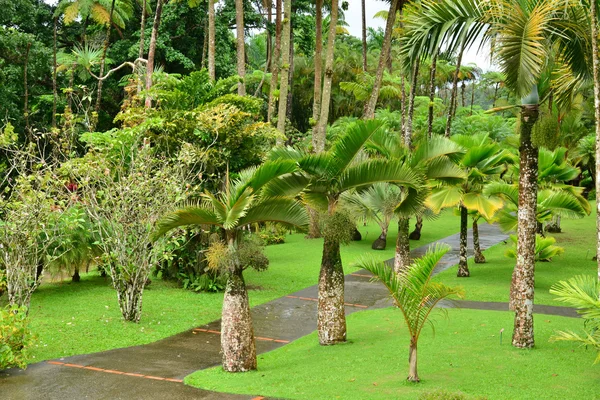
[[544, 248], [272, 234], [15, 337]]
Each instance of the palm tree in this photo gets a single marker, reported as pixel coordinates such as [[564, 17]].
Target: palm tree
[[276, 62], [515, 30], [414, 294], [253, 198], [211, 40], [482, 160], [326, 176], [152, 49], [241, 44]]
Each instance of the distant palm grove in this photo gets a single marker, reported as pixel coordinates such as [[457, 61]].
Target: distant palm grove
[[162, 146]]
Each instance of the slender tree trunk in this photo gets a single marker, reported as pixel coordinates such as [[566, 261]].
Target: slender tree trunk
[[495, 94], [402, 256], [369, 110], [269, 7], [463, 267], [103, 58], [479, 258], [452, 107], [472, 96], [288, 110], [595, 61], [416, 234], [432, 72], [413, 375], [241, 46], [364, 35], [522, 287], [326, 97], [152, 50], [411, 105], [54, 66], [26, 97], [276, 63], [142, 44], [285, 67], [331, 322], [463, 87], [204, 60], [402, 106], [318, 139], [237, 333]]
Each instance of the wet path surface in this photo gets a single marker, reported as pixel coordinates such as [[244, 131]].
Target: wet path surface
[[156, 370]]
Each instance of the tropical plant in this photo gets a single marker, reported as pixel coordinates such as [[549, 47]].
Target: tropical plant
[[583, 293], [252, 198], [415, 294], [326, 176], [545, 248], [16, 337]]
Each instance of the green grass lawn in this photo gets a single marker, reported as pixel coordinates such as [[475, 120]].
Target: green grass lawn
[[464, 355], [491, 281], [76, 318]]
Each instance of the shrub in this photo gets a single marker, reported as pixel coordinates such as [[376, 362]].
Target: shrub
[[15, 337], [272, 234]]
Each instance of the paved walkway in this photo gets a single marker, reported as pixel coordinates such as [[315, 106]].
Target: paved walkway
[[156, 370]]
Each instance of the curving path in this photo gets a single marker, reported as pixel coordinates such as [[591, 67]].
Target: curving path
[[156, 370]]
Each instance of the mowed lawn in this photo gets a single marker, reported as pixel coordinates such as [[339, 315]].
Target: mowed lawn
[[464, 355], [491, 281], [76, 318]]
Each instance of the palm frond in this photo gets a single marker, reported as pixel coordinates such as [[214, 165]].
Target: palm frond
[[183, 217]]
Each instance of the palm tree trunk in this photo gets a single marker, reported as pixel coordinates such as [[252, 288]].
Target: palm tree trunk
[[411, 105], [276, 63], [452, 106], [522, 287], [237, 333], [269, 48], [331, 323], [413, 375], [472, 96], [495, 94], [369, 110], [381, 242], [318, 139], [26, 97], [416, 234], [103, 59], [402, 106], [462, 93], [289, 110], [285, 67], [241, 45], [326, 97], [595, 61], [432, 72], [211, 40], [463, 267], [142, 35], [314, 227], [152, 50], [364, 36], [54, 66], [479, 258], [402, 256]]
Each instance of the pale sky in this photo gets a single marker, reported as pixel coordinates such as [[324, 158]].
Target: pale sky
[[354, 20]]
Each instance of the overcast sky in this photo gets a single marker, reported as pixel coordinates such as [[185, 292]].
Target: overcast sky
[[354, 20]]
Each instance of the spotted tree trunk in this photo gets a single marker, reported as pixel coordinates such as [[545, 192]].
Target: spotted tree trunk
[[237, 334], [479, 258], [331, 323], [522, 287], [431, 94], [402, 256], [595, 60], [413, 375], [463, 267]]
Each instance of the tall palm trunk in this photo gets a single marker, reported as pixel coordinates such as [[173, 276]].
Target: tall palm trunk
[[103, 58], [416, 234], [595, 61], [411, 105], [211, 40], [463, 267], [276, 63], [331, 316], [478, 256], [237, 333], [402, 255], [288, 109], [453, 100], [364, 35], [472, 96], [413, 375], [142, 44], [152, 50], [241, 45], [402, 106], [326, 97], [285, 67], [369, 110], [432, 72], [54, 67], [463, 88], [522, 287], [318, 139]]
